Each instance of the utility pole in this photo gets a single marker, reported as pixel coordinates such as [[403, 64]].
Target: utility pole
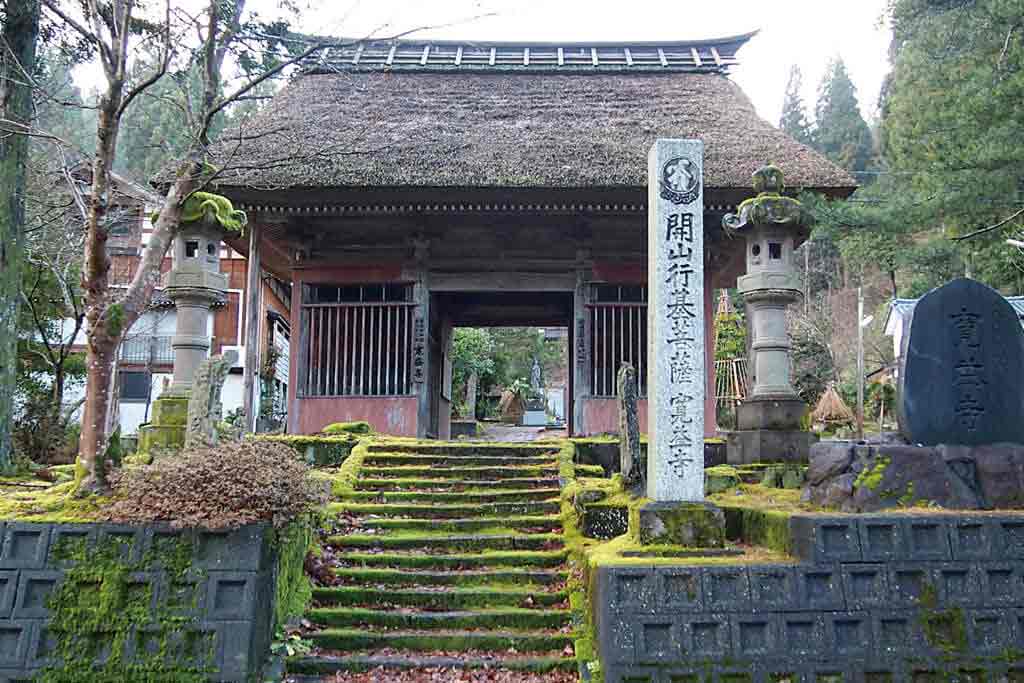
[[860, 363]]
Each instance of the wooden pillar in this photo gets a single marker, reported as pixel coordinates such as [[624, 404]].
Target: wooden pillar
[[253, 318], [710, 390], [421, 355], [581, 344], [296, 360]]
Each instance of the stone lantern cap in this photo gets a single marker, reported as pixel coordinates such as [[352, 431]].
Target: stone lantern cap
[[769, 208], [206, 219]]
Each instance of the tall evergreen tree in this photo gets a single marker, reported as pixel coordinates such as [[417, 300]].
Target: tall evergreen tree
[[840, 131], [794, 116], [953, 124], [17, 64]]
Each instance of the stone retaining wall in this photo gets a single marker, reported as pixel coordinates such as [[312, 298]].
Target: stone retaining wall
[[212, 613], [873, 598]]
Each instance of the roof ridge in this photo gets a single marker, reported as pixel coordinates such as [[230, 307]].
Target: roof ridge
[[714, 55]]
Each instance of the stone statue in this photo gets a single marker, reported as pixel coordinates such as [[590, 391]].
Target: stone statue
[[536, 382], [204, 407], [631, 460]]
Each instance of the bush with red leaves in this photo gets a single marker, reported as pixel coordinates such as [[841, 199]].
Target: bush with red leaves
[[217, 488]]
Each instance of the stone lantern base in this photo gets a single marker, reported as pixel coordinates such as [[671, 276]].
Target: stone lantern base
[[167, 427], [769, 430], [748, 446], [771, 412]]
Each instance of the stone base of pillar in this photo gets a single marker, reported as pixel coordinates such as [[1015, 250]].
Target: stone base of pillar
[[692, 525], [166, 429], [748, 446], [771, 412]]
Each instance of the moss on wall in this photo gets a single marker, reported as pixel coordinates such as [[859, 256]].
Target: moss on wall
[[292, 590], [324, 451], [101, 603]]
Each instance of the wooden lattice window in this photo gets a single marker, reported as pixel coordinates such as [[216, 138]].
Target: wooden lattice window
[[618, 329], [357, 340]]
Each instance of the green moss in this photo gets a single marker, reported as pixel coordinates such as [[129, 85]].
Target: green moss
[[100, 602], [871, 477], [691, 524], [317, 450], [358, 427], [215, 207], [53, 504], [766, 528], [945, 630], [720, 478], [115, 319], [293, 590]]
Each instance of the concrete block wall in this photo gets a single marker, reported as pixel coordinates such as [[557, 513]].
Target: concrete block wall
[[226, 597], [872, 598]]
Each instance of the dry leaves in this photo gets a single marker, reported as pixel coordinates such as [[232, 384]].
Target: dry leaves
[[451, 675], [217, 488]]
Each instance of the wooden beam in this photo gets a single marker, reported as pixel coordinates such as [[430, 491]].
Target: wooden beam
[[253, 318], [502, 282]]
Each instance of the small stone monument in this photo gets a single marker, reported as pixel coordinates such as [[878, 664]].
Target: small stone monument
[[631, 462], [963, 379], [769, 419], [205, 410], [676, 366]]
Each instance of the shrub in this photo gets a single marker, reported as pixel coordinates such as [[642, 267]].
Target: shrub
[[217, 488]]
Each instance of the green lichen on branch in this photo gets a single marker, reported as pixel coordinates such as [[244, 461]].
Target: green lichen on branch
[[103, 603]]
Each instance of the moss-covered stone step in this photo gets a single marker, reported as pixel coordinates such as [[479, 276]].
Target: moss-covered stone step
[[589, 470], [492, 559], [456, 459], [322, 665], [445, 598], [426, 485], [506, 617], [545, 522], [357, 639], [442, 448], [450, 541], [413, 511], [476, 473], [401, 577], [495, 496]]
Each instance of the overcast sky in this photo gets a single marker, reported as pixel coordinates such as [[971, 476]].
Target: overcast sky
[[804, 32]]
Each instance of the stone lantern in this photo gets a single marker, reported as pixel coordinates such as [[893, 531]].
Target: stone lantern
[[769, 418], [195, 285]]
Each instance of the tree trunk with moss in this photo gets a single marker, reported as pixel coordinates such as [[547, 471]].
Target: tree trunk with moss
[[20, 34], [631, 461]]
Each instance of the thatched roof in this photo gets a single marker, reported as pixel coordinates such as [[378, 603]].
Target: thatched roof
[[502, 128], [832, 409]]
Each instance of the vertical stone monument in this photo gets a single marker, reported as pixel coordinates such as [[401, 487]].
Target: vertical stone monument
[[676, 364], [769, 419], [631, 462]]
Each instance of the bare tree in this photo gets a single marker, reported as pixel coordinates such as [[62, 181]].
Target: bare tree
[[110, 28]]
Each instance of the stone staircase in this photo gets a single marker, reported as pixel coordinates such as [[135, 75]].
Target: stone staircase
[[452, 556]]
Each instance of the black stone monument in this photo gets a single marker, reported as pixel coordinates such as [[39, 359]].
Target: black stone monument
[[963, 378]]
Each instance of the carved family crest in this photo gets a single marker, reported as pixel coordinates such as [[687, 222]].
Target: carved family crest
[[680, 181]]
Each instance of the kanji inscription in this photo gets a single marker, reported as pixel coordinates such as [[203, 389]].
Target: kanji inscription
[[676, 367]]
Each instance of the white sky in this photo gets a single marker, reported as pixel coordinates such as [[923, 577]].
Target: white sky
[[804, 32]]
